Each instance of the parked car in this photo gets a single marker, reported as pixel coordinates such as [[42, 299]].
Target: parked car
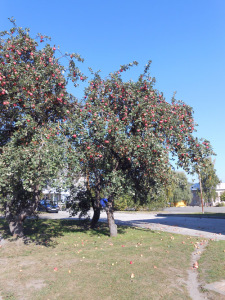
[[48, 206]]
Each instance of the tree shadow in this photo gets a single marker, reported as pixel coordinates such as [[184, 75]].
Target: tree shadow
[[211, 224], [4, 229], [44, 232]]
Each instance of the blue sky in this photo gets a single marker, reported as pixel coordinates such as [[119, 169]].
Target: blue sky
[[185, 39]]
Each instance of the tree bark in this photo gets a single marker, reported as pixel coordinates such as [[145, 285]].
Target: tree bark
[[110, 218], [200, 183], [16, 228], [96, 205], [15, 216], [96, 216], [15, 222]]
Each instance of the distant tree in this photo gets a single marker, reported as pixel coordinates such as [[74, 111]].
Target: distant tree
[[181, 188], [209, 180], [222, 196], [199, 152]]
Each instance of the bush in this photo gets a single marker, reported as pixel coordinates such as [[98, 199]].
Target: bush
[[222, 204], [222, 197], [127, 202], [124, 202]]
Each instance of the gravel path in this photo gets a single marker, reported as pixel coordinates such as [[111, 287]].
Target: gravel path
[[192, 283]]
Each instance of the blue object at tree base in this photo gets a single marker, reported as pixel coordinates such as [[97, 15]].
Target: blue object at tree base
[[103, 202]]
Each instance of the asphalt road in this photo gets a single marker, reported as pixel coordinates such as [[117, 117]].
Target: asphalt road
[[173, 220]]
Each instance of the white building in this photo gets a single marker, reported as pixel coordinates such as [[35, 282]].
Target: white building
[[196, 200], [220, 188], [59, 195], [56, 195]]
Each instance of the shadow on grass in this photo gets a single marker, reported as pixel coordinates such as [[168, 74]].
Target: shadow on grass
[[43, 232]]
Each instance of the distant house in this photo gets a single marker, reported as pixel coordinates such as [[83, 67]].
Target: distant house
[[196, 200], [220, 188], [56, 195], [59, 195]]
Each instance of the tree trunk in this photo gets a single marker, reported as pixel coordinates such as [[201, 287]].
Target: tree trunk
[[96, 205], [16, 228], [16, 216], [95, 217], [110, 218], [200, 183], [15, 223]]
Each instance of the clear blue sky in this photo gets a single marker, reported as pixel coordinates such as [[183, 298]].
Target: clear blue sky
[[185, 39]]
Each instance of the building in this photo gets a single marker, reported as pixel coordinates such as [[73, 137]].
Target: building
[[59, 195], [196, 200], [56, 195], [220, 188]]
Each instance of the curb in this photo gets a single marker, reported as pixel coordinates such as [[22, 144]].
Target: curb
[[200, 216]]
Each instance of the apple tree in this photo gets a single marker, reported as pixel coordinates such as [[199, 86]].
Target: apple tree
[[127, 134], [34, 103]]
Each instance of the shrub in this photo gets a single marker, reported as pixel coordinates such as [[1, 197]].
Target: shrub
[[222, 204]]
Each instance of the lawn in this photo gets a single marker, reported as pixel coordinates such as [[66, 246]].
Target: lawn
[[212, 262], [66, 260]]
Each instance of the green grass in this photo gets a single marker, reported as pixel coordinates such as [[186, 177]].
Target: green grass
[[63, 259], [212, 262]]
